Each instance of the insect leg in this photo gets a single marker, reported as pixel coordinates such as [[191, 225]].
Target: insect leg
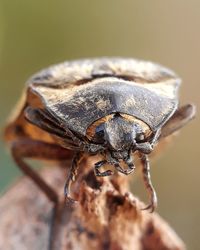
[[28, 148], [127, 171], [99, 165], [148, 184], [179, 119], [124, 171], [52, 226], [72, 174]]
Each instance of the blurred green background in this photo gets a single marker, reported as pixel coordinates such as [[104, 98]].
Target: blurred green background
[[35, 34]]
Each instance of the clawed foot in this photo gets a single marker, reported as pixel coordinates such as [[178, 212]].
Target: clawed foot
[[124, 171], [70, 200], [152, 206], [99, 165], [103, 174]]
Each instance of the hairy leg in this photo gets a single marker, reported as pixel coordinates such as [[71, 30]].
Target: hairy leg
[[28, 148], [72, 174], [148, 184], [127, 171], [100, 164]]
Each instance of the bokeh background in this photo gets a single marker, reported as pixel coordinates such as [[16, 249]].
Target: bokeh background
[[35, 34]]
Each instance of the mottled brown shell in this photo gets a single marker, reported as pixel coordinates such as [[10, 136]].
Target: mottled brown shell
[[80, 92]]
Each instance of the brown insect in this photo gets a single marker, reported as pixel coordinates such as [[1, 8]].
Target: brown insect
[[114, 107]]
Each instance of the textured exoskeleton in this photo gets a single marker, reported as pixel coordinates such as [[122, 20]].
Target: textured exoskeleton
[[110, 106]]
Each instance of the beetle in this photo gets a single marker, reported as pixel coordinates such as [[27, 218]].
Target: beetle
[[114, 107]]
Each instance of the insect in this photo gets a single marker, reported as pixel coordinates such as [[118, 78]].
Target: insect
[[113, 107]]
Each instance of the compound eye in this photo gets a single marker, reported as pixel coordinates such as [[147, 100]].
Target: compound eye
[[99, 134], [140, 137], [100, 130], [96, 131]]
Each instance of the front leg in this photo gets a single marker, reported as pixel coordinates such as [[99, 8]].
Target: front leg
[[148, 184], [72, 175], [99, 165], [28, 148], [127, 171]]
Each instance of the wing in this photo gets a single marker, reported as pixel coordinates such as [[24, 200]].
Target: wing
[[180, 118], [30, 120]]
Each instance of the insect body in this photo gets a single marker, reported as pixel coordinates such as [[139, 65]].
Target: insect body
[[109, 106]]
